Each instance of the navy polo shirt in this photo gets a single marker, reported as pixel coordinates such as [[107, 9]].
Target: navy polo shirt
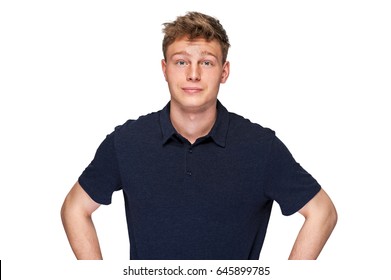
[[207, 200]]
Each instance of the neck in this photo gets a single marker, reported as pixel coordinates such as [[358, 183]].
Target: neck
[[193, 124]]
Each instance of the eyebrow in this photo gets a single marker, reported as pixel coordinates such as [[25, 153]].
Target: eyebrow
[[180, 53], [203, 53]]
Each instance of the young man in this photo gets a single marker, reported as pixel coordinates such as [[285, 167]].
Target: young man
[[198, 181]]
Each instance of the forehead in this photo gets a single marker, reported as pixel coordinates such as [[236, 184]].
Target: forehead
[[197, 46]]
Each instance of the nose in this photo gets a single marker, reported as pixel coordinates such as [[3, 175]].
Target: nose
[[193, 73]]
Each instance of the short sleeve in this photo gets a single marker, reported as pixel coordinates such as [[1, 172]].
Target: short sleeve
[[288, 183], [102, 177]]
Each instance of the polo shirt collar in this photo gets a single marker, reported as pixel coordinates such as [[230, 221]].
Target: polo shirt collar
[[218, 133]]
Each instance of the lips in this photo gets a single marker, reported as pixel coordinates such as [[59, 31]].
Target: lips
[[192, 90]]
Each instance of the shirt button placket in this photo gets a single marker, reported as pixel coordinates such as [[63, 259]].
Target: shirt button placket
[[188, 161]]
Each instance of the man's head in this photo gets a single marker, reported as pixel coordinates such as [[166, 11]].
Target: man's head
[[195, 25], [195, 49]]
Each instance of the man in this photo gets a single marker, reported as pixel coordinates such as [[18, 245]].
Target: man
[[198, 181]]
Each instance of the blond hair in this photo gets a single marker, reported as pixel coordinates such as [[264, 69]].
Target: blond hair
[[195, 25]]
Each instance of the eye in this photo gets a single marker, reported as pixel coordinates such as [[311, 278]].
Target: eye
[[207, 63], [181, 63]]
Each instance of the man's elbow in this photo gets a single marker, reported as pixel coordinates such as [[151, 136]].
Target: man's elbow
[[65, 211], [327, 217], [332, 217]]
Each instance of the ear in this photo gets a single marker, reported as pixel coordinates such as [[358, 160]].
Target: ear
[[225, 73], [164, 68]]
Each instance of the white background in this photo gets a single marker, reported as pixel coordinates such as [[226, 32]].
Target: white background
[[316, 72]]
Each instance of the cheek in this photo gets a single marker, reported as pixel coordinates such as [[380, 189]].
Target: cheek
[[214, 78], [173, 79], [173, 74]]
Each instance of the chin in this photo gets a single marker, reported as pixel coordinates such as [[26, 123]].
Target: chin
[[196, 105]]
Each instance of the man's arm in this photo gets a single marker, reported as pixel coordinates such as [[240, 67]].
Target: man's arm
[[76, 214], [320, 219]]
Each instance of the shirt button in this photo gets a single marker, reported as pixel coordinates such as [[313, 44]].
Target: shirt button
[[188, 173], [190, 150]]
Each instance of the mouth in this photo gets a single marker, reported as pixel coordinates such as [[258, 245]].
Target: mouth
[[192, 90]]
